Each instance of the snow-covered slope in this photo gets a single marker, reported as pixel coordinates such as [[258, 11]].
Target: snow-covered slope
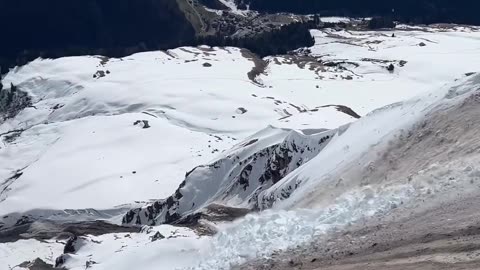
[[238, 176], [99, 136], [444, 178], [425, 156], [357, 60], [95, 130], [353, 68], [369, 153]]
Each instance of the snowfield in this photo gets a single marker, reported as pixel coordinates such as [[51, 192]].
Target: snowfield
[[193, 113], [168, 134]]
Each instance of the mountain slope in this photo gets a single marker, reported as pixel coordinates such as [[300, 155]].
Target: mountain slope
[[237, 177], [360, 199], [89, 27], [100, 136], [93, 122], [337, 194], [414, 11], [423, 174]]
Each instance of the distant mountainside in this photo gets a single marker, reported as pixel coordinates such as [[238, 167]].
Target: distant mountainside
[[116, 28], [416, 11], [57, 27]]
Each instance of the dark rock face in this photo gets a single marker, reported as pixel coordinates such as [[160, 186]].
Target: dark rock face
[[12, 101], [60, 260], [70, 245], [38, 264], [157, 236], [143, 123], [42, 230], [234, 180], [89, 264], [5, 185], [46, 229], [212, 213], [391, 68]]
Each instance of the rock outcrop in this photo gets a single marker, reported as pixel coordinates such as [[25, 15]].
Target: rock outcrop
[[237, 178]]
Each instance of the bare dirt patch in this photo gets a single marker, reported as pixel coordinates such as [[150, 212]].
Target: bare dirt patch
[[259, 68]]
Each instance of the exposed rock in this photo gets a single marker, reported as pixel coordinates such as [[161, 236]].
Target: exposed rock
[[201, 221], [47, 229], [88, 264], [157, 236], [99, 74], [143, 123], [259, 67], [242, 175], [241, 110], [391, 68], [348, 110], [60, 260], [70, 245], [12, 101], [38, 264]]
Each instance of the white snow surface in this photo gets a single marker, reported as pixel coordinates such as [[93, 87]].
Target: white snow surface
[[80, 148], [80, 144], [278, 229], [13, 254], [335, 19], [233, 7], [258, 235], [178, 249]]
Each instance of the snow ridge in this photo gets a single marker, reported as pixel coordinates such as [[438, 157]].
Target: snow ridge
[[238, 176]]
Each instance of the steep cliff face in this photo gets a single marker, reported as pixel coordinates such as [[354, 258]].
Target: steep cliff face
[[239, 176]]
